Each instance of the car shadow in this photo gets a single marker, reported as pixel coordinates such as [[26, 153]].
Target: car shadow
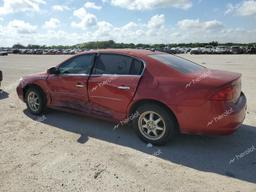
[[3, 95], [225, 155]]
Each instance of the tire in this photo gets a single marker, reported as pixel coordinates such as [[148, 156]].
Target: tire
[[148, 131], [35, 100], [1, 76]]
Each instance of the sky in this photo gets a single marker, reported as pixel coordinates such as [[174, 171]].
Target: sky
[[69, 22]]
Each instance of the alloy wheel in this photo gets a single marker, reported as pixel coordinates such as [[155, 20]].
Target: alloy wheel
[[33, 101], [152, 125]]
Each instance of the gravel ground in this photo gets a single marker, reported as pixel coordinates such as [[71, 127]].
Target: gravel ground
[[65, 152]]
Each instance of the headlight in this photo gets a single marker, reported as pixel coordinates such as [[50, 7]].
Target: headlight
[[21, 82]]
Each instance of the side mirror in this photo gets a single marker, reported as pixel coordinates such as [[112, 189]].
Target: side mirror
[[53, 71]]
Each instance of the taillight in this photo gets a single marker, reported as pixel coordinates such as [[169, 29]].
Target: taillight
[[225, 94]]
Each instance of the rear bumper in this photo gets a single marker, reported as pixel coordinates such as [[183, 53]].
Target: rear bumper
[[217, 118], [227, 123]]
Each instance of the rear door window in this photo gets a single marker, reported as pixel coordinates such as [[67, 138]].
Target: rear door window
[[117, 64]]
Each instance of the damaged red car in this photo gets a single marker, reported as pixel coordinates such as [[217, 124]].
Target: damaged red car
[[158, 93]]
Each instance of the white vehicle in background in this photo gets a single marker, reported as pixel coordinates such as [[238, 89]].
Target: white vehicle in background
[[196, 51], [208, 50], [3, 53], [222, 50]]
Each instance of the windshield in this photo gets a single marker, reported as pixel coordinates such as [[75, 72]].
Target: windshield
[[180, 64]]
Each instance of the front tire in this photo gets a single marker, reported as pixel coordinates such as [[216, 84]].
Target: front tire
[[155, 124], [35, 100]]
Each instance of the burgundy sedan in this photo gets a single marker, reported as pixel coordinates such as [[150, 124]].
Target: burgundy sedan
[[158, 93]]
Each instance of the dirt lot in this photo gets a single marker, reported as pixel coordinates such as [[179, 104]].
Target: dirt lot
[[65, 152]]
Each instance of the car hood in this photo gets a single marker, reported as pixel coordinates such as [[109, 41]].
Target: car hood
[[42, 75]]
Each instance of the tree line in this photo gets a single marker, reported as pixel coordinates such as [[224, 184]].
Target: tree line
[[113, 44]]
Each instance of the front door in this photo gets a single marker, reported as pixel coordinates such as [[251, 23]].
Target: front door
[[69, 88]]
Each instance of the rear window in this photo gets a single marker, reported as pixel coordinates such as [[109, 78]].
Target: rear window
[[181, 65]]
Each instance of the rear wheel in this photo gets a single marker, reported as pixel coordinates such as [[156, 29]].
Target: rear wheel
[[155, 124], [35, 101]]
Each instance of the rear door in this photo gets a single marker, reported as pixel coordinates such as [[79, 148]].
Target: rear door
[[113, 84], [69, 88]]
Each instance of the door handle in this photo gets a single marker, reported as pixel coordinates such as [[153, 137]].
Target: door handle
[[80, 85], [123, 87]]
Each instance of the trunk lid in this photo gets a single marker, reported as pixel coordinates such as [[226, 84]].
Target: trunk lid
[[215, 78]]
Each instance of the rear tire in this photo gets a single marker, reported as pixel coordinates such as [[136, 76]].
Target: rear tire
[[155, 124], [35, 100]]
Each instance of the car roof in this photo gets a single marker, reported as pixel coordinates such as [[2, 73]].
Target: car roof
[[130, 52]]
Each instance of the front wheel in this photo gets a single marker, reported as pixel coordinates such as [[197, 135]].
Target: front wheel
[[155, 124], [35, 101]]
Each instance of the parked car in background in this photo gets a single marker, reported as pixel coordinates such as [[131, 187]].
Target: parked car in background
[[172, 50], [196, 51], [3, 53], [16, 51], [222, 50], [251, 50], [208, 50], [158, 92], [10, 51], [236, 50]]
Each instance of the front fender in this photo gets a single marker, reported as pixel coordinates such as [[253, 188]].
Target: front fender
[[40, 83]]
